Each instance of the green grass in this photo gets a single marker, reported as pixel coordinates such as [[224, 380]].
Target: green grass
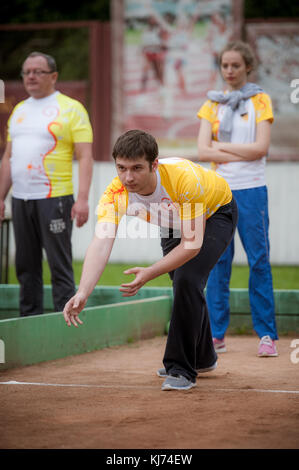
[[133, 37], [284, 277], [200, 29]]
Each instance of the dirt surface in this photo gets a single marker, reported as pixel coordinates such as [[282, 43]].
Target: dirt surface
[[115, 402]]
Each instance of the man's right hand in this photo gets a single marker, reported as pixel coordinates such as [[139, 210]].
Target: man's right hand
[[72, 309]]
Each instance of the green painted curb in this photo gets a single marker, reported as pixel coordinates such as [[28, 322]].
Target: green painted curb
[[110, 319], [34, 339], [101, 295]]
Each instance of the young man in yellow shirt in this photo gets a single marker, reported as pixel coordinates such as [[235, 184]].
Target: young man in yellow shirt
[[196, 207]]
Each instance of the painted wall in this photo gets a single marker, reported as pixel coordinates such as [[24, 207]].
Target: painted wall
[[169, 64], [277, 49]]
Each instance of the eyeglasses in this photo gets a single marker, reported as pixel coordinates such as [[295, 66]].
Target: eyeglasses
[[38, 73]]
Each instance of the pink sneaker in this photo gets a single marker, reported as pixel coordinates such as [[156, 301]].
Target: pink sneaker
[[267, 347], [219, 345]]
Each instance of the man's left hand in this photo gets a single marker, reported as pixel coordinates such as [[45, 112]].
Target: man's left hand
[[142, 276]]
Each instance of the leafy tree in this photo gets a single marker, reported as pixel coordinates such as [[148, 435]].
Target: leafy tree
[[70, 46], [36, 11], [271, 9]]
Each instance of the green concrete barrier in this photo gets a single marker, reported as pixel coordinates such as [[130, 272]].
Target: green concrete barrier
[[34, 339], [286, 304], [111, 319], [286, 311], [101, 295]]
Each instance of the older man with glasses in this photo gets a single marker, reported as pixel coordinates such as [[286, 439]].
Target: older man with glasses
[[44, 132]]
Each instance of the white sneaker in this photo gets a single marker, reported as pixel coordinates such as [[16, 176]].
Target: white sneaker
[[267, 347]]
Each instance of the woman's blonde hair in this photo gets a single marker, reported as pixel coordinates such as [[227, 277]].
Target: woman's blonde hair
[[244, 49]]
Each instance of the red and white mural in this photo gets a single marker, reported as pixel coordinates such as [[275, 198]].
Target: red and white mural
[[169, 64]]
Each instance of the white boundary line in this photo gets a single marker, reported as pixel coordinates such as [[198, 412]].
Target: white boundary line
[[42, 384], [255, 390], [13, 382]]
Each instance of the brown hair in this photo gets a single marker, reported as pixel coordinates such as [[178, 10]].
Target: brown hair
[[134, 144], [244, 49]]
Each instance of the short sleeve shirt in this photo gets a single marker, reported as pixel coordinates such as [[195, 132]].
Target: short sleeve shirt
[[245, 174], [184, 191], [43, 133]]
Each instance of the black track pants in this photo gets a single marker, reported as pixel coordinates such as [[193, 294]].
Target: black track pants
[[189, 343], [43, 223]]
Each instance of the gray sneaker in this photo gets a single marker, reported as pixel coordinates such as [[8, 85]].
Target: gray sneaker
[[162, 372], [178, 382]]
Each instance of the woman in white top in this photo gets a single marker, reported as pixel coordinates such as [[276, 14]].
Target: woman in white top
[[235, 136]]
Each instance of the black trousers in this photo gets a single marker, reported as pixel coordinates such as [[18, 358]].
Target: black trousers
[[38, 224], [189, 344]]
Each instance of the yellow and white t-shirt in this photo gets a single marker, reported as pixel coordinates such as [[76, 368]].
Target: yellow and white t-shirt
[[245, 174], [184, 190], [43, 132]]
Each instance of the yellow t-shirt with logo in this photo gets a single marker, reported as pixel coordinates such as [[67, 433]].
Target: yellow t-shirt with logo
[[243, 174], [184, 190], [43, 133]]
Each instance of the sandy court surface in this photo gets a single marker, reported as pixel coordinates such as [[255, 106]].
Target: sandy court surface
[[112, 399]]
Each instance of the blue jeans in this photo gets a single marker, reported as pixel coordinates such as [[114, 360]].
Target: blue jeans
[[253, 226]]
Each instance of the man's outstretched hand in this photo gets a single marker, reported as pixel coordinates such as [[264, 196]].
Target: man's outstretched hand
[[72, 309]]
